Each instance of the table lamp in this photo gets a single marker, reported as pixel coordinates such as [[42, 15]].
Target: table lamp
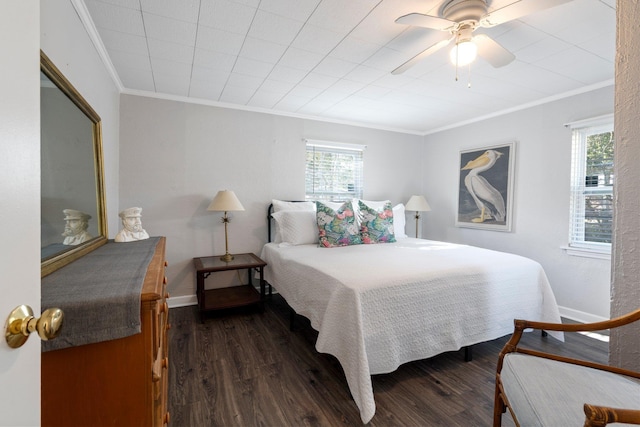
[[418, 204], [225, 201]]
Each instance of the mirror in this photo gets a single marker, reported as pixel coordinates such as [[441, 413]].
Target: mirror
[[73, 212]]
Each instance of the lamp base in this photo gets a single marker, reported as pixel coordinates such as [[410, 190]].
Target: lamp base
[[226, 257]]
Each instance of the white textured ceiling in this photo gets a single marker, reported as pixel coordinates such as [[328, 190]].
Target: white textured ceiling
[[332, 59]]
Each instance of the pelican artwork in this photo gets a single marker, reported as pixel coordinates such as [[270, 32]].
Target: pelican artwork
[[489, 200]]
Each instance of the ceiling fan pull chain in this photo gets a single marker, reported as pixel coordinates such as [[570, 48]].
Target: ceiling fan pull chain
[[469, 78]]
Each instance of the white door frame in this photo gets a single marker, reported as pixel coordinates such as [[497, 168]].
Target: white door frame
[[20, 204]]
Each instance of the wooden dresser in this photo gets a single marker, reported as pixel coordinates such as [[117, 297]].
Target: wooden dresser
[[121, 382]]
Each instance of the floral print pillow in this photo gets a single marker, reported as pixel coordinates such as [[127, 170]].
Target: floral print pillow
[[376, 225], [337, 227]]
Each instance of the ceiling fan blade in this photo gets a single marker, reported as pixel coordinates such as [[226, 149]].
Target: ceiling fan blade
[[517, 10], [428, 51], [427, 21], [492, 52]]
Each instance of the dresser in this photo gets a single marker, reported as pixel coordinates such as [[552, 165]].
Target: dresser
[[118, 382]]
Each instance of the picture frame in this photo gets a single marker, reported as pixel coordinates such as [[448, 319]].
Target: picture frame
[[485, 187]]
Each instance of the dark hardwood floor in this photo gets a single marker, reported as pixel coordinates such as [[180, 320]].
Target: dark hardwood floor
[[245, 368]]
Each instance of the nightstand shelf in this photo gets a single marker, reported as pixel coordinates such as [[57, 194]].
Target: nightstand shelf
[[236, 296], [229, 297]]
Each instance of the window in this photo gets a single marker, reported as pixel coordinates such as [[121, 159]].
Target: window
[[592, 185], [334, 171]]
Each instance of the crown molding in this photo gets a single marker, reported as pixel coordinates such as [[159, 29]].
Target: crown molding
[[521, 107], [92, 31]]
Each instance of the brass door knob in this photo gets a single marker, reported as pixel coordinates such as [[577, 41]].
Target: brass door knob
[[21, 323]]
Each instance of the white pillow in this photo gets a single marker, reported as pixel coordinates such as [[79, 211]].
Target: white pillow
[[296, 227], [280, 205], [399, 221]]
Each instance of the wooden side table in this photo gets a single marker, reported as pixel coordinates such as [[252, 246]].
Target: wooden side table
[[235, 296]]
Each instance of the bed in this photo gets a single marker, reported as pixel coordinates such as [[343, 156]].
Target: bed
[[377, 306]]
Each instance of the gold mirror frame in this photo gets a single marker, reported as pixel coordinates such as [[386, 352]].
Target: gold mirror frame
[[58, 261]]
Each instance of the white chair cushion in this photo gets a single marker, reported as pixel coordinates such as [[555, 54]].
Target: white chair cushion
[[549, 393]]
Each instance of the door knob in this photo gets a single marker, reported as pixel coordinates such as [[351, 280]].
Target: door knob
[[21, 323]]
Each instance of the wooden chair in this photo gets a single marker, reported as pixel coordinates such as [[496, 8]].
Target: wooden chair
[[543, 389]]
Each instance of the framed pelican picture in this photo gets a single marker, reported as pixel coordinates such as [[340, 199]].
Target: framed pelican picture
[[485, 188]]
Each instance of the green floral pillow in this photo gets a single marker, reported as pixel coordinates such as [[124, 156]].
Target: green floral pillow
[[337, 227], [376, 225]]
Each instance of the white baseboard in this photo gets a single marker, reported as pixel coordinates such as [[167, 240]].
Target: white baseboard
[[182, 301], [580, 316], [186, 300]]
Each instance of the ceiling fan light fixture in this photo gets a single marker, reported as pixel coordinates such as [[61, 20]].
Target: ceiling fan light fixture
[[464, 53]]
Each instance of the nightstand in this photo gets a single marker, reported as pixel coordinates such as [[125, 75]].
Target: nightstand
[[235, 296]]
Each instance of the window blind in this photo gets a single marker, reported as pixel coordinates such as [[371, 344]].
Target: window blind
[[334, 171], [592, 184]]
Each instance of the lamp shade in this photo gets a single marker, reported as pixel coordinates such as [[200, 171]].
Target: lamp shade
[[225, 201], [418, 204]]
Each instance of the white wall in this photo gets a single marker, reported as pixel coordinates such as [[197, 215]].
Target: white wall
[[625, 290], [541, 197], [175, 156], [65, 41]]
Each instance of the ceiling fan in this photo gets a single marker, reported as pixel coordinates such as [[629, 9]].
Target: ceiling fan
[[460, 18]]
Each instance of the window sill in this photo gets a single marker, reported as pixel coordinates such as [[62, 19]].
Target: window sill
[[587, 253]]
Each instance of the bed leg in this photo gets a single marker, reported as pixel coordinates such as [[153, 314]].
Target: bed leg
[[468, 353], [292, 317], [543, 333]]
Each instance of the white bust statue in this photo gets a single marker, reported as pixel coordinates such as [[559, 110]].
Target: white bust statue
[[75, 229], [132, 230]]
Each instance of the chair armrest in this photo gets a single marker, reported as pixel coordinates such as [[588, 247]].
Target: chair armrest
[[520, 326], [580, 327], [599, 416]]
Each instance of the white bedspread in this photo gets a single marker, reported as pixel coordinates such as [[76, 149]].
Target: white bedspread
[[379, 306]]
